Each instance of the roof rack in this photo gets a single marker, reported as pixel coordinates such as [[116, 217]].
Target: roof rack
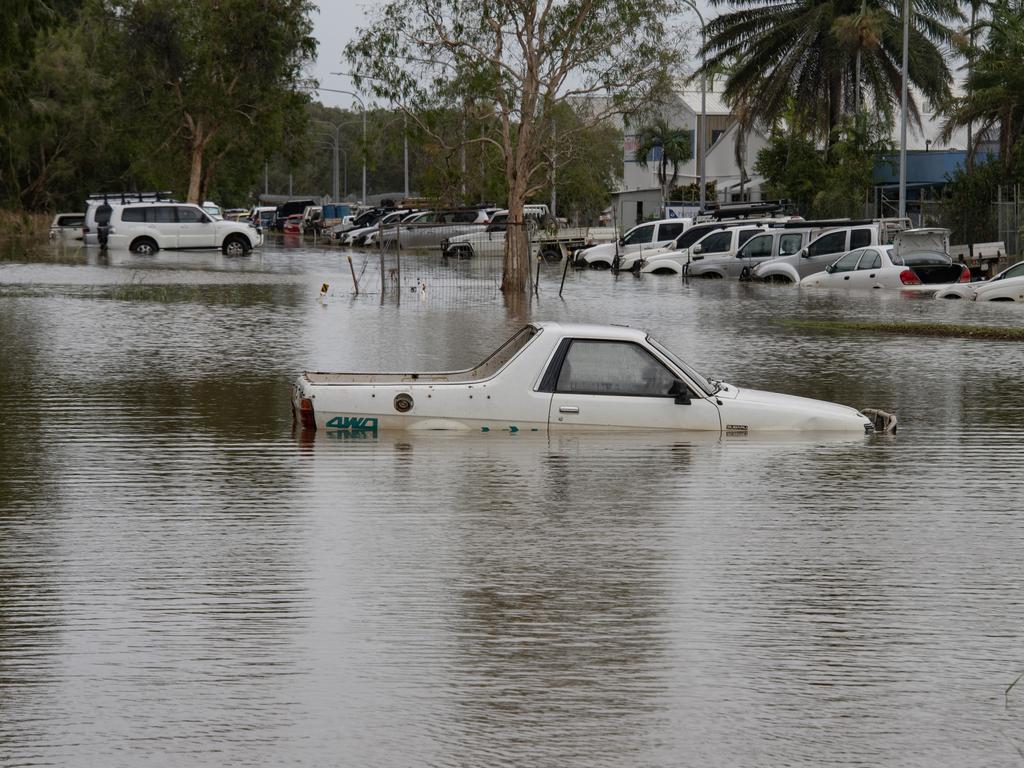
[[719, 211], [132, 197]]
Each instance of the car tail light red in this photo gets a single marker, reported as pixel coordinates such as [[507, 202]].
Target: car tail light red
[[965, 275], [907, 277], [306, 416]]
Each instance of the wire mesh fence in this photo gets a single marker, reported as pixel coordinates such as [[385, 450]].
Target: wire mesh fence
[[455, 262]]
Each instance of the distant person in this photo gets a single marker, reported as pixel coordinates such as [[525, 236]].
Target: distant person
[[103, 223]]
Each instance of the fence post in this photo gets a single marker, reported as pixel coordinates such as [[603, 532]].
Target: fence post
[[398, 260], [380, 248]]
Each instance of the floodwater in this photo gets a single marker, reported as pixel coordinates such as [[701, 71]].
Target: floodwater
[[185, 581]]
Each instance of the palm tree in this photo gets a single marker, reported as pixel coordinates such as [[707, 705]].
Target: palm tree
[[806, 53], [994, 89], [676, 146]]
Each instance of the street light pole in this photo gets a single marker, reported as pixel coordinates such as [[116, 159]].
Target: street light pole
[[702, 128], [903, 111], [362, 106]]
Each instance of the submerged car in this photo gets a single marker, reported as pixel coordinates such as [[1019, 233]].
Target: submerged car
[[917, 261], [552, 376], [1008, 285]]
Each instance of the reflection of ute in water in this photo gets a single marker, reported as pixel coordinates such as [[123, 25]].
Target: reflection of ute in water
[[553, 376]]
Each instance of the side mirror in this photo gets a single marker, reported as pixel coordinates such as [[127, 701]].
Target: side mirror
[[681, 392], [830, 268], [697, 249], [803, 253], [622, 240]]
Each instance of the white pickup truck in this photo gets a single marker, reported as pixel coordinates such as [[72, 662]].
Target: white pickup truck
[[550, 244], [553, 376]]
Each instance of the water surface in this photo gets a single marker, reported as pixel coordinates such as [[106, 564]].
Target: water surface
[[185, 581]]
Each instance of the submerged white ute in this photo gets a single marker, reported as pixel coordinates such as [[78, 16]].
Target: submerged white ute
[[553, 376]]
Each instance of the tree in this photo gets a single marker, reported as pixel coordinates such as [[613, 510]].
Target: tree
[[994, 95], [808, 51], [510, 63], [675, 145], [206, 83]]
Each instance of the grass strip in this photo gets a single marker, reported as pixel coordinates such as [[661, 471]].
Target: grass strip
[[911, 329]]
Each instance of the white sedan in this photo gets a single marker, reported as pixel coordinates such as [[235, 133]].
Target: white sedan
[[879, 266], [1008, 285]]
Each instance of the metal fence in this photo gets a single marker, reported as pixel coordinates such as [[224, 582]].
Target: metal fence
[[458, 263]]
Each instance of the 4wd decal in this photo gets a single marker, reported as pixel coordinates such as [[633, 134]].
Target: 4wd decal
[[353, 424]]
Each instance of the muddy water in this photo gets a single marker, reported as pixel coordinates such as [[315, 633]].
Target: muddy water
[[184, 581]]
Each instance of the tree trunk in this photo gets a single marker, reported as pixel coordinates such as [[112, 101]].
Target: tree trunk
[[195, 176], [516, 268]]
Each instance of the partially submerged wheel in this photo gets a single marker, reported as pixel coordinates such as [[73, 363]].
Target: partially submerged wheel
[[599, 265], [144, 246], [711, 276], [236, 245], [778, 280], [551, 254]]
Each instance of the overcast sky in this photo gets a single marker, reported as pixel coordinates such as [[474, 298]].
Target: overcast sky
[[335, 25]]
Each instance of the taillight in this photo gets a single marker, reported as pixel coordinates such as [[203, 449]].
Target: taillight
[[306, 417], [907, 277], [965, 275]]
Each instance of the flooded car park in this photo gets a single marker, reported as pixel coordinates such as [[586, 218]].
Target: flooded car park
[[189, 579]]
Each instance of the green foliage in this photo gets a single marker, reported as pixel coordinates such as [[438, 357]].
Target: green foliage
[[993, 97], [825, 184], [807, 51], [967, 199]]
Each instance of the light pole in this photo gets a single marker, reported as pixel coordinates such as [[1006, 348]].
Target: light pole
[[903, 111], [362, 107], [703, 104], [336, 128]]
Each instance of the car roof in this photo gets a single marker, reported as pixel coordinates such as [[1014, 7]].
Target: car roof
[[592, 330]]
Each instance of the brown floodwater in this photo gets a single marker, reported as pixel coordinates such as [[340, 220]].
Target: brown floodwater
[[186, 581]]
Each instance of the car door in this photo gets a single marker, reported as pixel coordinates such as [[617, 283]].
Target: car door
[[605, 384], [715, 245], [667, 232], [822, 252], [841, 272], [195, 228], [638, 239], [867, 271], [750, 254]]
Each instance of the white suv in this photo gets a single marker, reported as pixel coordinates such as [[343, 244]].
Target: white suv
[[147, 227]]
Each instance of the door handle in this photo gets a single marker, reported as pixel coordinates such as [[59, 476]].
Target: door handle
[[568, 409], [846, 278], [872, 274]]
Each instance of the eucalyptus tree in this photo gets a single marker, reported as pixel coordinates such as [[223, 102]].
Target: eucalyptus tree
[[675, 145], [206, 83], [510, 63], [820, 54]]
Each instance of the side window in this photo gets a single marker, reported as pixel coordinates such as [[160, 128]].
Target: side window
[[859, 238], [833, 242], [612, 368], [848, 263], [718, 242], [789, 244], [189, 215], [1017, 270], [692, 235], [133, 214], [756, 248], [465, 217], [670, 231], [640, 235], [161, 214], [746, 234], [870, 260]]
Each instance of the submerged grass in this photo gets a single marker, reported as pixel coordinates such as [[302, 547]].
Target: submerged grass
[[241, 294], [941, 330]]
